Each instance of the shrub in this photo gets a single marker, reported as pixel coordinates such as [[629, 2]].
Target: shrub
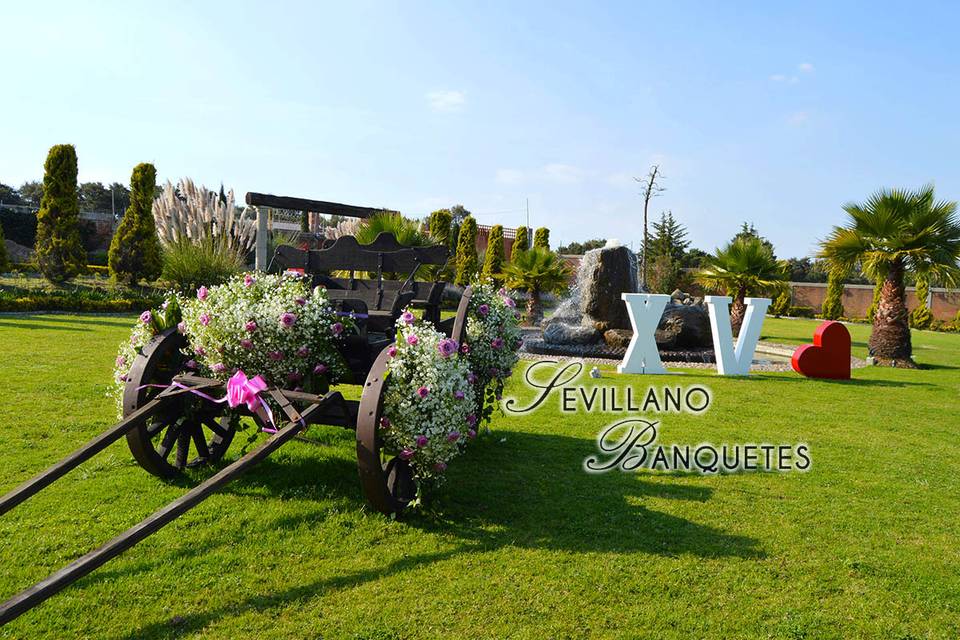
[[781, 303], [83, 300], [97, 269], [876, 300], [520, 243], [541, 238], [135, 250], [187, 265], [467, 252], [832, 307], [19, 227], [59, 252], [921, 317], [4, 258], [440, 221], [493, 259], [800, 312]]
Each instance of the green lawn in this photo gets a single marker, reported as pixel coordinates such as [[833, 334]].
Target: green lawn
[[520, 542]]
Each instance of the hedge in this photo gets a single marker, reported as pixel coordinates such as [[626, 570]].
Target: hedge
[[19, 299]]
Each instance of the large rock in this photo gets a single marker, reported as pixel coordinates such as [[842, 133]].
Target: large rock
[[610, 272], [563, 333], [684, 326], [618, 338]]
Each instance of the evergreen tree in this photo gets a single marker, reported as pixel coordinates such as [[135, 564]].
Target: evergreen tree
[[921, 317], [877, 288], [4, 258], [749, 231], [493, 260], [467, 252], [669, 239], [135, 248], [440, 221], [520, 243], [782, 303], [832, 308], [541, 238], [59, 252]]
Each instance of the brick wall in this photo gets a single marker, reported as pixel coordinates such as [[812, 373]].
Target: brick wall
[[857, 298]]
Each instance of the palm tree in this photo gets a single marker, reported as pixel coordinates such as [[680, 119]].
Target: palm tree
[[407, 232], [893, 232], [745, 267], [536, 271]]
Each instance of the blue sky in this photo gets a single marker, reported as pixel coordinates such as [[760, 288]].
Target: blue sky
[[771, 114]]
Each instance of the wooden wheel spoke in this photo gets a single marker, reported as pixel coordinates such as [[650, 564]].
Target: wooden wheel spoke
[[200, 440], [183, 448], [213, 425], [166, 445]]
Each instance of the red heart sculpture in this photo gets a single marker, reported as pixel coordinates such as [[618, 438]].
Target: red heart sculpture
[[828, 356]]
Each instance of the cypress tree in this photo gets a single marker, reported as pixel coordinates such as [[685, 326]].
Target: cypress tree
[[832, 308], [921, 317], [520, 243], [59, 252], [135, 248], [877, 288], [440, 221], [781, 304], [4, 258], [493, 261], [467, 252], [541, 238]]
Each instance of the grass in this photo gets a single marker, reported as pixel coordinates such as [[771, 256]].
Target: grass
[[520, 542]]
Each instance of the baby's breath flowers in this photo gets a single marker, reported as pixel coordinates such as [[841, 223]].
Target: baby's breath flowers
[[491, 345]]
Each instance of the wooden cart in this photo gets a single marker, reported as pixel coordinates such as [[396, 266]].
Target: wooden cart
[[170, 427]]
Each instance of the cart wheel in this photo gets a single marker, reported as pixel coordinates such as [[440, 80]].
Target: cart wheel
[[195, 429], [459, 329], [388, 485]]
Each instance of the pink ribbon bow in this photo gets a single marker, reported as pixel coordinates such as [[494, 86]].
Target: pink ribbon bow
[[243, 390]]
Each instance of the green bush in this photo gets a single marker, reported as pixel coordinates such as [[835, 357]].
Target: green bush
[[186, 265], [541, 238], [832, 308], [4, 258], [440, 221], [520, 243], [59, 252], [467, 265], [800, 312], [88, 300], [98, 269], [19, 227], [921, 317], [781, 303], [493, 259], [135, 249], [876, 300]]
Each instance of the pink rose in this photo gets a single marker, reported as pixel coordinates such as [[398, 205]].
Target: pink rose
[[246, 344], [303, 351], [219, 367], [412, 339], [300, 302], [320, 369], [181, 327], [248, 280], [407, 453], [287, 319], [392, 351], [471, 434], [472, 420], [484, 309], [202, 294], [458, 395], [276, 355], [497, 343], [190, 364], [204, 319], [251, 326], [384, 422], [146, 317], [421, 441], [440, 467], [453, 436], [422, 392], [337, 328]]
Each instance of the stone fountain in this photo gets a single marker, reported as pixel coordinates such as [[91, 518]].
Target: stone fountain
[[593, 321]]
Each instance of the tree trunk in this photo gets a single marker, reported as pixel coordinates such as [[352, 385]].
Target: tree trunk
[[890, 338], [737, 310], [534, 307]]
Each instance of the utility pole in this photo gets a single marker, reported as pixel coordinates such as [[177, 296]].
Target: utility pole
[[649, 189], [528, 213]]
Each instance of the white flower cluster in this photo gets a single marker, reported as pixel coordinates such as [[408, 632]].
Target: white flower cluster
[[492, 340], [143, 332], [429, 400], [268, 325]]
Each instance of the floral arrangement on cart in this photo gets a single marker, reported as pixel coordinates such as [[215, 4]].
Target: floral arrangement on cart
[[263, 330]]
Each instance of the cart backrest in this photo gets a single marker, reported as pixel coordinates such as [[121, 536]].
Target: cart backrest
[[384, 254]]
